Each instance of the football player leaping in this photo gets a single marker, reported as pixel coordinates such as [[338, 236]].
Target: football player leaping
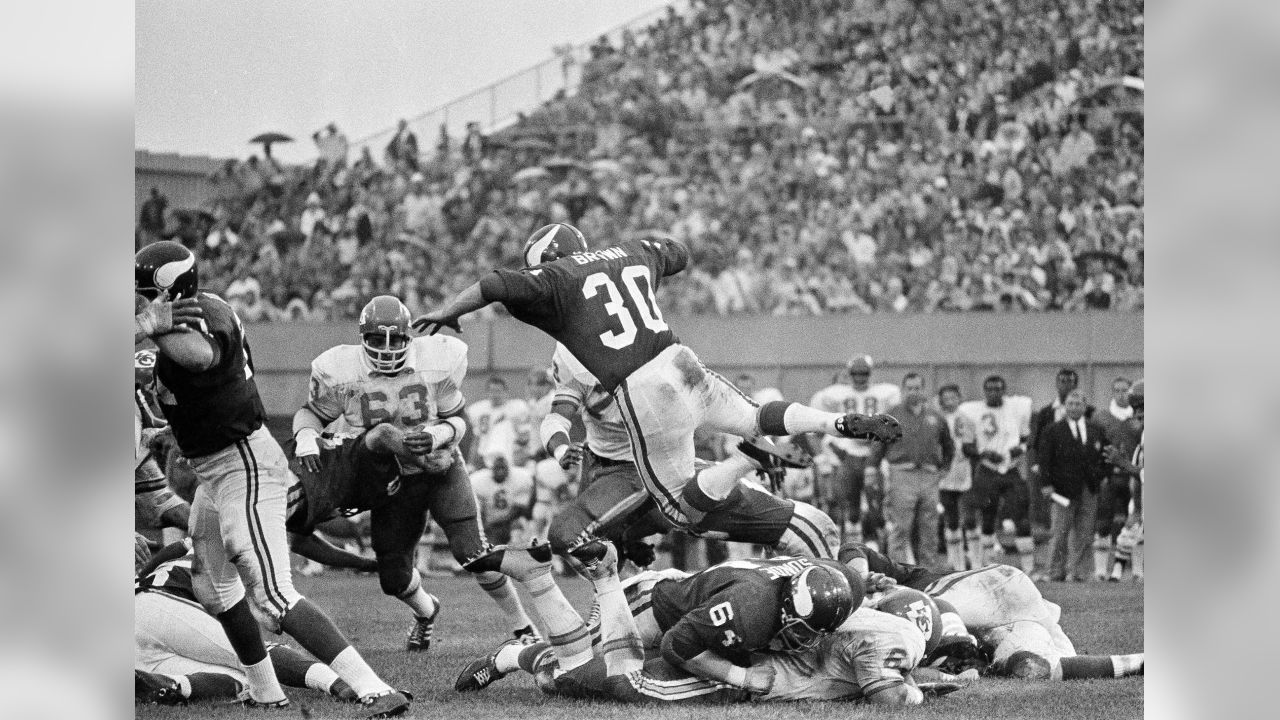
[[414, 384], [601, 306]]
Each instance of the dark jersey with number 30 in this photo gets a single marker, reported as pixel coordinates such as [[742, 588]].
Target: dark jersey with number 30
[[598, 304], [731, 609], [212, 409]]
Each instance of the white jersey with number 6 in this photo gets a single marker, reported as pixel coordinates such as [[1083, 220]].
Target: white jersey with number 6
[[501, 502]]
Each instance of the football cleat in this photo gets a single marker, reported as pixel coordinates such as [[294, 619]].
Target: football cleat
[[881, 427], [604, 566], [155, 689], [516, 563], [386, 705], [419, 636], [527, 635], [482, 672], [250, 704], [341, 691]]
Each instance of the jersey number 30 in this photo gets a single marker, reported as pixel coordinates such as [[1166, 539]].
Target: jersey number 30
[[645, 304]]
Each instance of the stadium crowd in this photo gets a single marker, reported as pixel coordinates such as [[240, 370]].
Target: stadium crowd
[[818, 157]]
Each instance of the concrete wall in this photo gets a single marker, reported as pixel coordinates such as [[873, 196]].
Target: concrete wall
[[797, 355]]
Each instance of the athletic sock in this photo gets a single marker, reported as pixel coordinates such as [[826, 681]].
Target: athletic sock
[[1101, 554], [292, 666], [1026, 547], [422, 604], [531, 656], [620, 640], [263, 685], [1134, 664], [508, 657], [718, 481], [321, 677], [565, 629], [315, 631], [243, 633], [363, 680], [208, 686], [803, 419], [503, 591], [1088, 666]]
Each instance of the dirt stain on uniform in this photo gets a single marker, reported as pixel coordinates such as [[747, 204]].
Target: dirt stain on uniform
[[691, 372]]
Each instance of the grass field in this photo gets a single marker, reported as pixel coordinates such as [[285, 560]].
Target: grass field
[[1100, 618]]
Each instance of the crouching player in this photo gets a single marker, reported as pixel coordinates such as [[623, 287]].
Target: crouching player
[[1015, 630]]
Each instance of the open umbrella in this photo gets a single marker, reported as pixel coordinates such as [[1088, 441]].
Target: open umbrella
[[530, 173], [532, 143], [606, 165], [268, 139]]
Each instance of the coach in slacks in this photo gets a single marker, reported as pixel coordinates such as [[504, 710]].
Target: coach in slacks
[[1072, 468], [915, 469]]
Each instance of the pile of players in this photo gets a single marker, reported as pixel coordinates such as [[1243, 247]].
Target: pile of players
[[380, 432]]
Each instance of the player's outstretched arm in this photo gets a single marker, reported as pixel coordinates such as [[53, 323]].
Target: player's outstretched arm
[[314, 547], [467, 301]]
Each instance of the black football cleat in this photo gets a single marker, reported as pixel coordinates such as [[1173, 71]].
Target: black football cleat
[[155, 689], [386, 705], [482, 672], [419, 635]]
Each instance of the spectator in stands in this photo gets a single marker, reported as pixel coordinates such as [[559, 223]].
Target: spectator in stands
[[473, 144], [403, 147], [313, 216], [151, 217], [332, 146]]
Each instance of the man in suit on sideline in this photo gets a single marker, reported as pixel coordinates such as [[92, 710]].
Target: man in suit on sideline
[[1072, 467]]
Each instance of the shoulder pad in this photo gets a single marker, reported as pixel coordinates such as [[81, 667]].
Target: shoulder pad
[[340, 364]]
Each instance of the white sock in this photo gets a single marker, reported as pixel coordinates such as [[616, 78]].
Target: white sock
[[804, 419], [508, 658], [620, 640], [565, 630], [1026, 553], [720, 479], [503, 591], [184, 685], [263, 685], [419, 601], [362, 679], [1128, 664], [321, 677]]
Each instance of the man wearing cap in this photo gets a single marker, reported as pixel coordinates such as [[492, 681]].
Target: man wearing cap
[[915, 469], [854, 472]]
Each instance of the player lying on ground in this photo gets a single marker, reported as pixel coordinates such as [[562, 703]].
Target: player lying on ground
[[998, 611], [413, 386], [613, 503], [869, 656], [601, 306], [181, 653]]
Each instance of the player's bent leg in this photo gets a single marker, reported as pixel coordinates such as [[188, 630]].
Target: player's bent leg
[[811, 529], [661, 415]]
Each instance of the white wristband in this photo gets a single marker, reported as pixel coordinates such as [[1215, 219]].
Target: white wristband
[[306, 442], [738, 676], [560, 451]]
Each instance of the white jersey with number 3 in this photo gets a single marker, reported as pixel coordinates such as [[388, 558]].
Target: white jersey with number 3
[[872, 651], [999, 428], [344, 385]]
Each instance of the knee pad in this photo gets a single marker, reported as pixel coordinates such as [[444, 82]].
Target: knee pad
[[395, 574], [1026, 665]]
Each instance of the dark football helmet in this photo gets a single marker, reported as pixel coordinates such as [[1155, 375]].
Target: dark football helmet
[[165, 266], [1138, 398], [552, 242], [815, 603], [384, 333], [917, 607]]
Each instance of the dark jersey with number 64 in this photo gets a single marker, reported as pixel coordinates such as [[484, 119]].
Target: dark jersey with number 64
[[731, 609], [212, 409], [599, 304]]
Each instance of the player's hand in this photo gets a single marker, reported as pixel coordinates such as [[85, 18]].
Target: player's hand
[[161, 317], [307, 449], [571, 456], [759, 679], [419, 442], [879, 582], [141, 551], [185, 313], [438, 461], [432, 322]]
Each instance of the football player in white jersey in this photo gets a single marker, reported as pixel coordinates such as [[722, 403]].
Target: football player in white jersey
[[1001, 427], [498, 421], [506, 496], [853, 474], [416, 385], [956, 520]]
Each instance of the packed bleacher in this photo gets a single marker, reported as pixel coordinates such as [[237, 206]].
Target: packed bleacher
[[818, 157]]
